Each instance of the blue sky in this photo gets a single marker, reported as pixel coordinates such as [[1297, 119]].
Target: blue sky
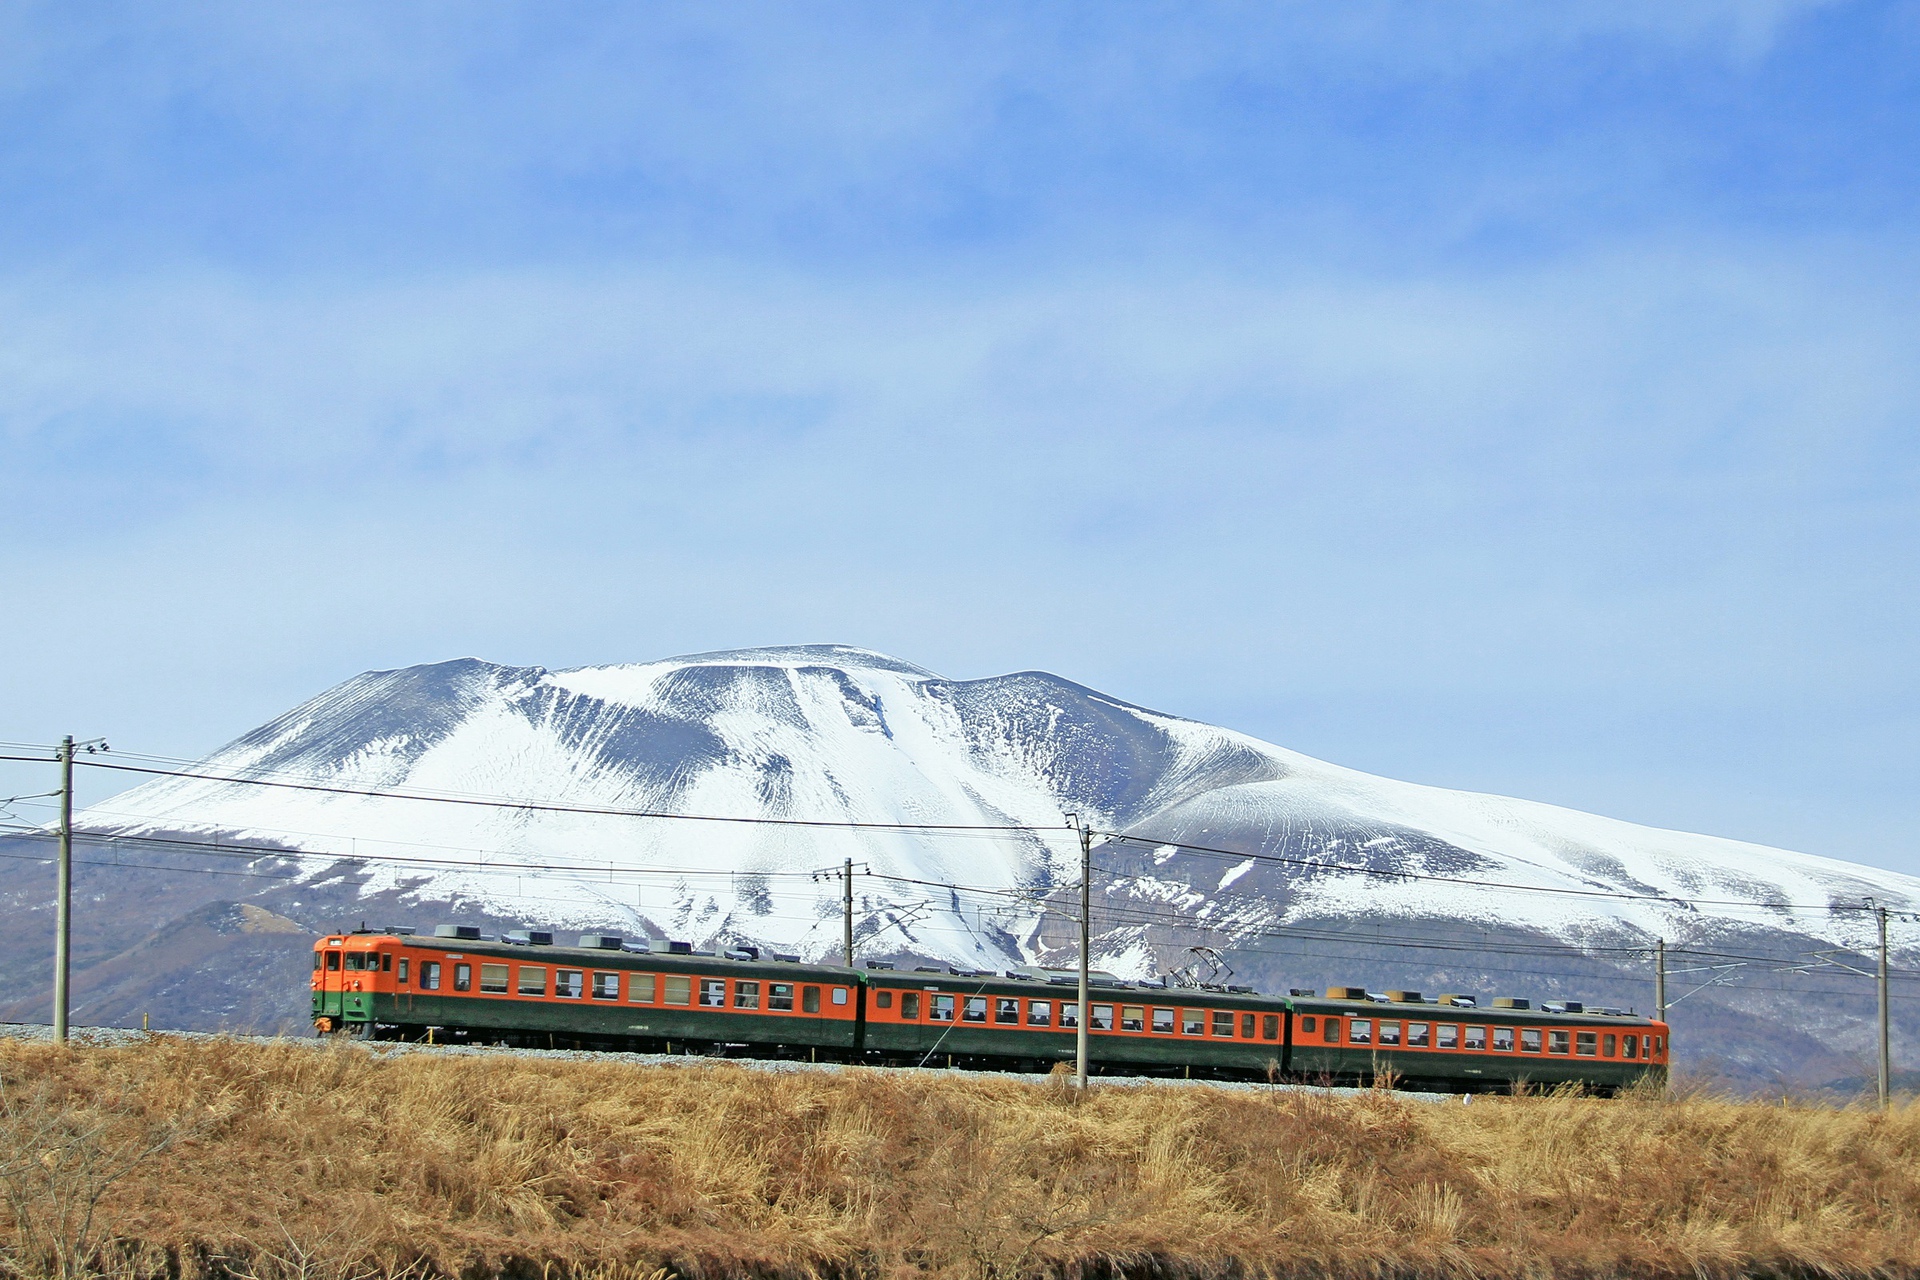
[[1513, 397]]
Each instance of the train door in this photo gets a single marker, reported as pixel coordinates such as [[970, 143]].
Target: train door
[[329, 984]]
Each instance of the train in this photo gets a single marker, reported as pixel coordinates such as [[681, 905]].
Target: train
[[520, 989]]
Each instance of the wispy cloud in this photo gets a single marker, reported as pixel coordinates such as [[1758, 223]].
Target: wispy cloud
[[1401, 383]]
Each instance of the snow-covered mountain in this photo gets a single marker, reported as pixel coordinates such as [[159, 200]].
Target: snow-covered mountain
[[829, 733]]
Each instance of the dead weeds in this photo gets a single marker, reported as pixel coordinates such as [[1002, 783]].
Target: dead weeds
[[289, 1162]]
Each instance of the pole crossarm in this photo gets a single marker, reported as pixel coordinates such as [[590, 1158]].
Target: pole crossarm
[[1723, 975]]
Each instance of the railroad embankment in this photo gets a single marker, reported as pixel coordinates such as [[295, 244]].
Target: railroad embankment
[[264, 1161]]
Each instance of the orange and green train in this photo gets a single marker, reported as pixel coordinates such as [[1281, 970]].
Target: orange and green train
[[457, 987]]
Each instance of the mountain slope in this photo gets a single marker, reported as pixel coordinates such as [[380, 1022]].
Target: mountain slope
[[830, 733]]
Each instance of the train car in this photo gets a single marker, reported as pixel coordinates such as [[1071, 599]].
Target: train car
[[1451, 1044], [946, 1018], [600, 994], [596, 995]]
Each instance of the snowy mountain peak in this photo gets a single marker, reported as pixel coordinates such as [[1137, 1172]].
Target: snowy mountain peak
[[832, 733]]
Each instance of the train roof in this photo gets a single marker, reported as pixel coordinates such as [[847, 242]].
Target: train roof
[[1444, 1008]]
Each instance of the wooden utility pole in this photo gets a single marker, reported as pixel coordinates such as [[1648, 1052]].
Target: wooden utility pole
[[63, 896], [1886, 1061], [1086, 951]]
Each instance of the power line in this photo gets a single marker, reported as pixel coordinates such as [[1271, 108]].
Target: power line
[[974, 829], [1032, 899], [537, 806], [1284, 935]]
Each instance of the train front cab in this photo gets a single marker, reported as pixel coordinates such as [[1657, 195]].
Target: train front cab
[[347, 969]]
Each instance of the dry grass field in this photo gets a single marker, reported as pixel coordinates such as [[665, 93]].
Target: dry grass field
[[291, 1162]]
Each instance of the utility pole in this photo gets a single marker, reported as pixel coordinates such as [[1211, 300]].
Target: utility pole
[[1660, 980], [846, 877], [1086, 950], [1886, 1063], [63, 897]]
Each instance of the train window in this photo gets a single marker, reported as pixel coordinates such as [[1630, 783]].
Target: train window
[[1193, 1022], [839, 995], [1416, 1035], [1070, 1015], [386, 962], [975, 1010], [403, 970], [910, 1006], [1503, 1039], [1629, 1046], [1102, 1018], [679, 990], [1659, 1044], [333, 961], [1307, 1024], [1039, 1013], [713, 993], [463, 977], [1133, 1017], [1163, 1021], [640, 987], [1557, 1041], [1446, 1036], [1587, 1044], [606, 986], [1360, 1030], [1389, 1032], [746, 995], [569, 983], [1270, 1026], [356, 961], [1222, 1022], [1475, 1040], [1246, 1026], [316, 962], [1330, 1031], [809, 999], [779, 997], [1006, 1009], [430, 975], [533, 979], [1529, 1041], [1606, 1046], [883, 999], [494, 979], [940, 1008]]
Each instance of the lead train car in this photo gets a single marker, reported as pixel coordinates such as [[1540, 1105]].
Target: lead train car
[[407, 987]]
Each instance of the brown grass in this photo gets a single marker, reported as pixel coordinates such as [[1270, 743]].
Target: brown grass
[[290, 1162]]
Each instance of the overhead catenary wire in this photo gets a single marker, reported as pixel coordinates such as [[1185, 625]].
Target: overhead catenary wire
[[1241, 936], [1310, 864], [1033, 898], [540, 806], [1134, 915]]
